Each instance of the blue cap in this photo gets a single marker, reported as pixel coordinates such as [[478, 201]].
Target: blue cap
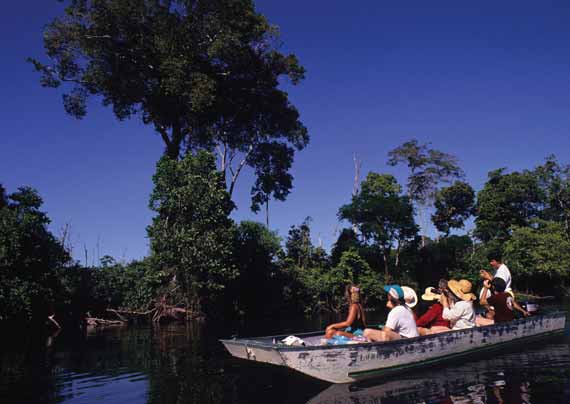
[[399, 291]]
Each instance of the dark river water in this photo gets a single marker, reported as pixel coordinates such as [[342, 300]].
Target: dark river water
[[186, 364]]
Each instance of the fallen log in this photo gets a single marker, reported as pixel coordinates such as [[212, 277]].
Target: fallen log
[[100, 322]]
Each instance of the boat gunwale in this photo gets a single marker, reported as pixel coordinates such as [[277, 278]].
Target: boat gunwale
[[255, 341]]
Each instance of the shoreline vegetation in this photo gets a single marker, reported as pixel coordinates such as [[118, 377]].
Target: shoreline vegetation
[[219, 108], [262, 274]]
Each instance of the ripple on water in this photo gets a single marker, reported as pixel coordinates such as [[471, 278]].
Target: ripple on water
[[123, 386]]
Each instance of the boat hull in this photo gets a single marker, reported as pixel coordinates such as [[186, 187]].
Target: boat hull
[[352, 362]]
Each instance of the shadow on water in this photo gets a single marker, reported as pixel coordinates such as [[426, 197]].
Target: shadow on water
[[186, 364]]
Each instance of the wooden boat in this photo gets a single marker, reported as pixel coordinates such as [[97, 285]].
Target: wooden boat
[[353, 362]]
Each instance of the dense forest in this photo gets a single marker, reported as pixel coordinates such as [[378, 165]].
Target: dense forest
[[207, 76], [204, 264]]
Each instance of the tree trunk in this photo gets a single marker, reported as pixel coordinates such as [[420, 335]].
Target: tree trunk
[[386, 256], [267, 213]]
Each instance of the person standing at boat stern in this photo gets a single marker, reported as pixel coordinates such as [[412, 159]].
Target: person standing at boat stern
[[355, 322], [400, 322], [501, 271], [457, 302]]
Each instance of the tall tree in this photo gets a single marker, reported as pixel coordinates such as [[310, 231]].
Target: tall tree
[[428, 168], [29, 257], [204, 74], [382, 214], [453, 205], [506, 200], [299, 245], [554, 181], [191, 235], [347, 240]]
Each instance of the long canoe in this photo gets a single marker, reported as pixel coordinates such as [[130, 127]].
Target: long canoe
[[353, 362]]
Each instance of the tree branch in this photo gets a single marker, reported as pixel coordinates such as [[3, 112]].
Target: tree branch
[[238, 170]]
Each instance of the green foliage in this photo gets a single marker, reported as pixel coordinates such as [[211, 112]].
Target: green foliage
[[356, 270], [539, 255], [453, 205], [382, 215], [506, 200], [256, 252], [554, 182], [347, 240], [205, 74], [428, 167], [191, 236], [298, 244], [29, 256]]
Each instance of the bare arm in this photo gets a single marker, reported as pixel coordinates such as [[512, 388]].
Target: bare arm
[[349, 320], [444, 301], [483, 297], [485, 275], [520, 309]]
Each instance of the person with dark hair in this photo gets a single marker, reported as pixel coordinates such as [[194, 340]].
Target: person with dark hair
[[501, 271], [400, 322], [501, 303], [355, 322]]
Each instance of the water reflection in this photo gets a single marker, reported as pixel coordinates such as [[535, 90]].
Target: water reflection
[[186, 364], [537, 375]]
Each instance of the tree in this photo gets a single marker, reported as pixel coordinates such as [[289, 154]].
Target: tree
[[204, 74], [453, 205], [539, 255], [256, 252], [347, 240], [191, 235], [554, 182], [298, 244], [383, 216], [428, 168], [506, 200], [29, 257]]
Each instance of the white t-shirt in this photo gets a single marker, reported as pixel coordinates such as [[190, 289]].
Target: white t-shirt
[[401, 320], [461, 315], [503, 273]]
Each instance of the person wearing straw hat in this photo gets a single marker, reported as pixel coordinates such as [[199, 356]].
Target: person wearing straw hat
[[400, 322], [457, 302], [432, 321]]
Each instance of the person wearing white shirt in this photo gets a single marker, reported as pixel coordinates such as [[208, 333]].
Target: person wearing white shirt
[[457, 304], [400, 322], [501, 271]]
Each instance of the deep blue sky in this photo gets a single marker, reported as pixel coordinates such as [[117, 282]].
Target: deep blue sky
[[487, 81]]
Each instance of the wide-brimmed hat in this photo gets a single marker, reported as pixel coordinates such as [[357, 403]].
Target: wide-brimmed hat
[[395, 291], [429, 295], [461, 289], [410, 297]]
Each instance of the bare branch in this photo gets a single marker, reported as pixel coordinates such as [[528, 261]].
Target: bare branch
[[238, 170]]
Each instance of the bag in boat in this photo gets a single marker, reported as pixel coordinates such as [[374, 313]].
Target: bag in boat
[[293, 340]]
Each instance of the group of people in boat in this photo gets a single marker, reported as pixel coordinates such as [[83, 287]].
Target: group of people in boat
[[452, 307]]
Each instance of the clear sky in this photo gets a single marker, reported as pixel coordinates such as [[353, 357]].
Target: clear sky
[[487, 81]]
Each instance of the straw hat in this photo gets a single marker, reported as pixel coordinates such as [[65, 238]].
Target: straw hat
[[410, 297], [461, 289], [429, 295]]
